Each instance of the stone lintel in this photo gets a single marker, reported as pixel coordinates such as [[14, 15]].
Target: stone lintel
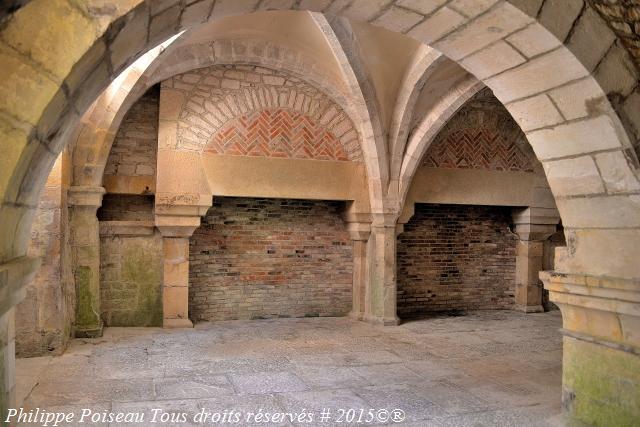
[[14, 276], [81, 195], [126, 228]]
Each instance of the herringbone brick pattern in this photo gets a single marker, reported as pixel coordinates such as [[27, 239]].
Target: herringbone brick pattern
[[277, 133], [476, 149], [482, 135]]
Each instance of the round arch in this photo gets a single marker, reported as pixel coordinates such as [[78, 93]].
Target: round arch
[[59, 55]]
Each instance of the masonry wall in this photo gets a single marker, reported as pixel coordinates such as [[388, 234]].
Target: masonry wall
[[455, 257], [43, 318], [131, 166], [264, 258], [131, 279], [130, 262]]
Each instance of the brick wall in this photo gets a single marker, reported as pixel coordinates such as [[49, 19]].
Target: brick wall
[[135, 147], [453, 257], [260, 258]]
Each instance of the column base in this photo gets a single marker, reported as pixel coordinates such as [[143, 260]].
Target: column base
[[176, 323], [530, 308], [384, 321], [89, 332], [355, 315]]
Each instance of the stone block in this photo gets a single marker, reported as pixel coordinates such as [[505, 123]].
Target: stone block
[[171, 103], [472, 8], [616, 72], [617, 172], [131, 39], [196, 13], [579, 99], [597, 212], [397, 19], [492, 60], [424, 7], [175, 302], [590, 39], [534, 113], [437, 25], [599, 133], [29, 91], [577, 176], [59, 34], [534, 40], [482, 31], [558, 16], [537, 75], [224, 8]]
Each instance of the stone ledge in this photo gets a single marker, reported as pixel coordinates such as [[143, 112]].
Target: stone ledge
[[126, 228]]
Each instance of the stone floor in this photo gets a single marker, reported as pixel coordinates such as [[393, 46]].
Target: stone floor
[[493, 368]]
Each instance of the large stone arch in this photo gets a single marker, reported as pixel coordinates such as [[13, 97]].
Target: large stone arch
[[97, 130], [59, 55]]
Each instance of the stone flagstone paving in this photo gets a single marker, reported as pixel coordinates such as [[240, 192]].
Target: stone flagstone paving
[[487, 368]]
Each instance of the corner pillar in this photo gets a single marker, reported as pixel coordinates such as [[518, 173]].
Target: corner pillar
[[177, 217], [359, 233], [601, 347], [84, 240], [533, 226]]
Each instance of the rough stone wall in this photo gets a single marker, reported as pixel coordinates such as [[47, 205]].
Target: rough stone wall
[[131, 280], [454, 257], [124, 207], [482, 135], [255, 111], [130, 264], [134, 149], [43, 318], [262, 258]]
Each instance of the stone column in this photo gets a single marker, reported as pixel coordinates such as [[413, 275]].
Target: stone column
[[533, 226], [175, 282], [84, 240], [359, 232], [381, 298], [14, 276]]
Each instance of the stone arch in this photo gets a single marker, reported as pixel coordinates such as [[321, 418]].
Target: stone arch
[[97, 129], [547, 69], [56, 63], [221, 101]]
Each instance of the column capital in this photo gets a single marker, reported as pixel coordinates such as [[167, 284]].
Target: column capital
[[359, 230], [535, 224], [85, 195], [177, 226]]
